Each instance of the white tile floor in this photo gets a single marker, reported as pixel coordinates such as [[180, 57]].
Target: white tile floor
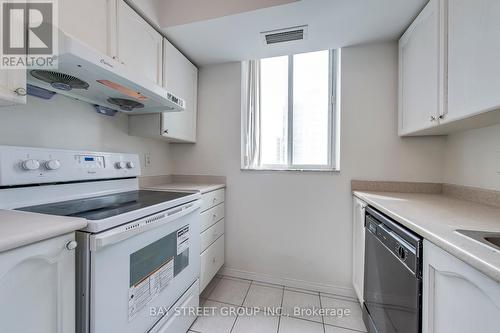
[[229, 299]]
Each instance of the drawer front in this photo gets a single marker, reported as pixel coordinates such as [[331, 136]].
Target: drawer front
[[211, 234], [211, 261], [211, 216], [171, 322], [211, 199]]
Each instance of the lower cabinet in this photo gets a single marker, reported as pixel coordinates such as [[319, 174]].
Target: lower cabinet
[[37, 287], [212, 235], [209, 236], [358, 246], [212, 260], [456, 297]]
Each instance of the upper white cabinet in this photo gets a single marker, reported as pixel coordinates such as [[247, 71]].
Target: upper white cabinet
[[419, 67], [473, 57], [180, 77], [456, 297], [37, 284], [90, 21], [449, 74], [12, 87], [139, 45], [113, 28], [358, 247]]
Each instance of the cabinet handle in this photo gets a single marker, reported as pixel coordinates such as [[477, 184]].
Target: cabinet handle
[[21, 91], [441, 117], [433, 118], [214, 216], [214, 260], [71, 245], [165, 131]]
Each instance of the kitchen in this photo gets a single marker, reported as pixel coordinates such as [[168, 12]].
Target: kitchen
[[414, 136]]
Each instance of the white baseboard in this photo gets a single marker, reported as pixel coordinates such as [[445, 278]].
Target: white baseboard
[[287, 282]]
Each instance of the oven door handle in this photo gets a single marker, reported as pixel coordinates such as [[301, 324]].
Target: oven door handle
[[134, 228]]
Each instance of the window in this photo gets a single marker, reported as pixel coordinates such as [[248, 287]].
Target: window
[[289, 118]]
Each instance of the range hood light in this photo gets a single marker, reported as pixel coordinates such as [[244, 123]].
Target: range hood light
[[105, 111]]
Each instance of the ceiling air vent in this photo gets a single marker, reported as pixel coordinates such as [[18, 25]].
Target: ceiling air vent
[[285, 35]]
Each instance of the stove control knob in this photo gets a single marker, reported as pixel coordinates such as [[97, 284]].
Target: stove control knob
[[53, 165], [30, 165], [120, 165], [130, 165]]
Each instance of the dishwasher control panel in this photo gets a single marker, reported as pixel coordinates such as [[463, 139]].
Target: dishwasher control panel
[[403, 244]]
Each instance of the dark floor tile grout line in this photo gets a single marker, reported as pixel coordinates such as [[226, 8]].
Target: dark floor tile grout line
[[206, 299], [242, 303], [281, 307], [293, 289], [341, 297], [301, 318], [215, 286], [346, 328], [322, 317], [283, 289]]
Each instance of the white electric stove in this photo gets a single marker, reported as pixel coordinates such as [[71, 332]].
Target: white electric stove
[[138, 257]]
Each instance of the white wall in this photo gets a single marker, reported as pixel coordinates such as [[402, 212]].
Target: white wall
[[65, 123], [473, 158], [293, 225]]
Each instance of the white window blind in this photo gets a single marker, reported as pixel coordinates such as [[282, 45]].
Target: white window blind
[[289, 112]]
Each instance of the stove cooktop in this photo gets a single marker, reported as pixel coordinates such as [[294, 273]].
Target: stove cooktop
[[103, 207]]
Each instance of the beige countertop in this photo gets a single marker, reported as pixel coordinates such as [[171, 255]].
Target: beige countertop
[[188, 186], [436, 217], [23, 228]]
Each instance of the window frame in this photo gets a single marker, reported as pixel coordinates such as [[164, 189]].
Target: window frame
[[333, 124]]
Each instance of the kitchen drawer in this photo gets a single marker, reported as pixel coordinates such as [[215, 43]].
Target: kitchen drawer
[[211, 234], [211, 216], [210, 199], [211, 261], [178, 323]]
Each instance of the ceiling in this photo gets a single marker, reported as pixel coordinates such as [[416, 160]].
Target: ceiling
[[226, 37], [177, 12]]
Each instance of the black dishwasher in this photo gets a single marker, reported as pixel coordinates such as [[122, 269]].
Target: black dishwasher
[[393, 276]]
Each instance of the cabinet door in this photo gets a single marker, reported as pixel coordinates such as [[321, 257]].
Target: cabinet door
[[212, 260], [419, 72], [180, 77], [358, 246], [456, 297], [12, 87], [37, 284], [139, 45], [473, 57], [89, 21]]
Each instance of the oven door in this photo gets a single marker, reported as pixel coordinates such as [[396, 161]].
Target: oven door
[[391, 291], [139, 270]]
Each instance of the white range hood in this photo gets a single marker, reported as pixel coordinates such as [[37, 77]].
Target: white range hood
[[85, 74]]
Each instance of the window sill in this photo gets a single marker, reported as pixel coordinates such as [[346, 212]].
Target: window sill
[[291, 170]]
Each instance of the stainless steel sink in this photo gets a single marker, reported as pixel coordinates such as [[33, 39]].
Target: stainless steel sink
[[491, 239]]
